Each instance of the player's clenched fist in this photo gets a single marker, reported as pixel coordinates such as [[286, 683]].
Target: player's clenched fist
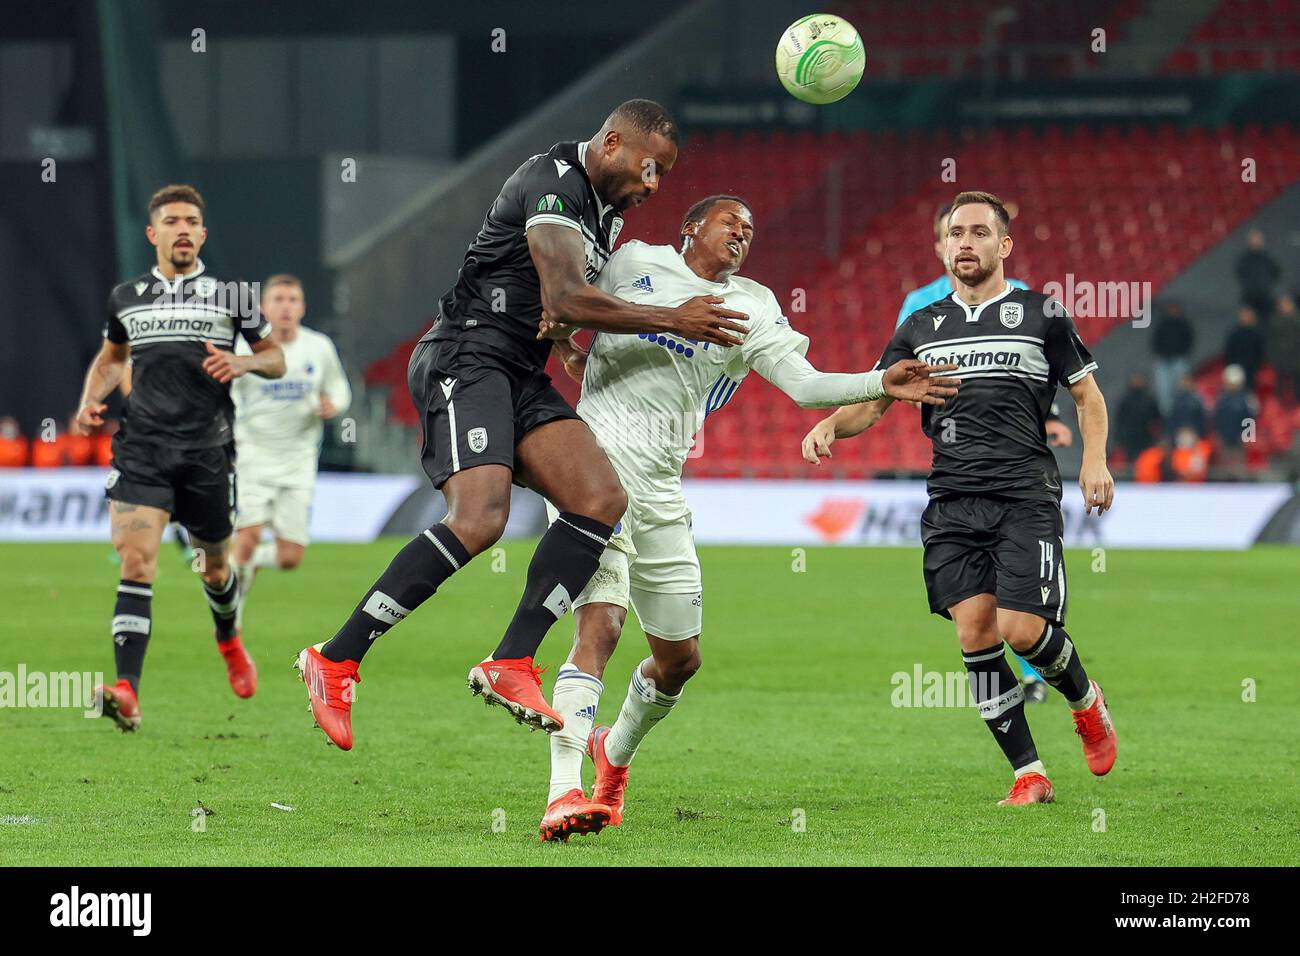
[[89, 417], [910, 380], [705, 319]]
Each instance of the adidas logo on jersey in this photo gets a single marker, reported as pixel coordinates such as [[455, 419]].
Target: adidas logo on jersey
[[643, 284]]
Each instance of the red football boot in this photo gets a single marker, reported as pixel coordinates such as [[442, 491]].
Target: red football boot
[[1029, 788], [119, 703], [240, 669], [611, 780], [573, 813], [331, 686], [1098, 732], [515, 684]]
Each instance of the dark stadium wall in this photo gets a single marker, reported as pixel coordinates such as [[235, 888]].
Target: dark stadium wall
[[56, 239], [54, 281]]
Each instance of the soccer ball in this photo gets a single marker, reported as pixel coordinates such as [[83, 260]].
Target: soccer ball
[[820, 58]]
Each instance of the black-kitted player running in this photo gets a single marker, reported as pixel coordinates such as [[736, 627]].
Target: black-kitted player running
[[174, 456], [491, 416], [992, 533]]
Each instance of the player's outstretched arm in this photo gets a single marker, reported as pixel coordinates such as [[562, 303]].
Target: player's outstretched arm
[[267, 361], [812, 388], [1095, 482], [106, 372], [569, 299]]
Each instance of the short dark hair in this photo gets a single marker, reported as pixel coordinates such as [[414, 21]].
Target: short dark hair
[[177, 192], [646, 116], [940, 215], [701, 209], [975, 197]]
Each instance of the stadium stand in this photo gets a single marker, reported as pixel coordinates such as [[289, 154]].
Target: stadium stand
[[1113, 211], [1242, 35]]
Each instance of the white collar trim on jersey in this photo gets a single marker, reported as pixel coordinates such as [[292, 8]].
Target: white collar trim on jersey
[[181, 277], [975, 315]]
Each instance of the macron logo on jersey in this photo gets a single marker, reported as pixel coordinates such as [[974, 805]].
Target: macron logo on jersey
[[643, 284]]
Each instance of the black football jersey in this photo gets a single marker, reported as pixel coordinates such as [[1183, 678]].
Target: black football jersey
[[1013, 350], [496, 302], [166, 323]]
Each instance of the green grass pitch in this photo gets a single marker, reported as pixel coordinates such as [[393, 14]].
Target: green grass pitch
[[790, 719]]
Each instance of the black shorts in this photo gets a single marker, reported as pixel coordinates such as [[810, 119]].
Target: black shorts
[[1009, 548], [474, 409], [196, 485]]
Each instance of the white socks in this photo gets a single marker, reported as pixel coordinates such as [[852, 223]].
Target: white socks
[[644, 707], [264, 555], [575, 698], [245, 578]]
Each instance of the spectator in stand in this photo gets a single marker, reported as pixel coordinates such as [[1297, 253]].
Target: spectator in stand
[[1245, 345], [1284, 347], [1190, 458], [1233, 411], [13, 446], [1137, 420], [1257, 275], [1172, 341], [1188, 411]]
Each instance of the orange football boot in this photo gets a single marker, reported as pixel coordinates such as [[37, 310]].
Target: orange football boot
[[119, 703], [572, 813], [1029, 788], [331, 687], [611, 780], [515, 684], [1097, 730], [240, 669]]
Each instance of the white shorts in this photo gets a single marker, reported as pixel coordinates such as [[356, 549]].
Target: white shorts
[[286, 509], [651, 567]]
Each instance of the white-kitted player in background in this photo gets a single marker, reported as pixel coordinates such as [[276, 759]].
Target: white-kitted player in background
[[278, 435], [645, 397]]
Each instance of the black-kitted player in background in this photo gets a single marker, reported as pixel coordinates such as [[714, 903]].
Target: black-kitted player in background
[[490, 414], [174, 455], [992, 533]]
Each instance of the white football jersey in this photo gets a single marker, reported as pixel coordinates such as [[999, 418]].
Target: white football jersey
[[645, 396], [277, 430]]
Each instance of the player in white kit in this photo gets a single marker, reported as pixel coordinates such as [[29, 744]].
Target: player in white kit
[[278, 436], [645, 397]]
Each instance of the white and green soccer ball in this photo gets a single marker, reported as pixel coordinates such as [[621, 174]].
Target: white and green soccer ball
[[820, 59]]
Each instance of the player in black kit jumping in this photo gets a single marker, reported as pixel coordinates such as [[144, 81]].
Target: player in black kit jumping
[[491, 416], [992, 533]]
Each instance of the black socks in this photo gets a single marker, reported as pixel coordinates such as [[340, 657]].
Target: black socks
[[410, 579], [1001, 702], [131, 626], [565, 559]]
